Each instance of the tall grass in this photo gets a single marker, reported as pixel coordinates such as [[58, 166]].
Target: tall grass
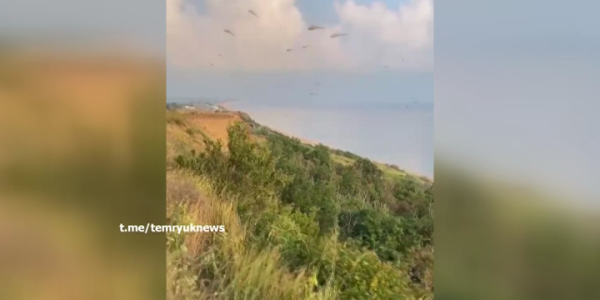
[[223, 266], [273, 249]]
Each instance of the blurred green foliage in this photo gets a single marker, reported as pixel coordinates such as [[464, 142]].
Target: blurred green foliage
[[504, 241]]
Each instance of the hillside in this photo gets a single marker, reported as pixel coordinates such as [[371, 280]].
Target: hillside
[[214, 126], [303, 221]]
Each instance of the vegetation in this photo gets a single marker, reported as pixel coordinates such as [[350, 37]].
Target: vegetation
[[300, 224]]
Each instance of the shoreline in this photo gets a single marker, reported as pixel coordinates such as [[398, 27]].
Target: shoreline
[[315, 143]]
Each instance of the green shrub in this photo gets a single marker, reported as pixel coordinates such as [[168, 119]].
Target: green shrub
[[361, 275], [293, 199], [390, 237]]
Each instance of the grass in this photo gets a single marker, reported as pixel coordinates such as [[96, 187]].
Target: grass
[[233, 265], [181, 137], [174, 117], [223, 264], [390, 172], [342, 159], [387, 170]]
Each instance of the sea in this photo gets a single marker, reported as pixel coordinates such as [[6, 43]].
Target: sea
[[398, 133]]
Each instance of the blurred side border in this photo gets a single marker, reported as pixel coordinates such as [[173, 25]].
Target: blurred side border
[[83, 150]]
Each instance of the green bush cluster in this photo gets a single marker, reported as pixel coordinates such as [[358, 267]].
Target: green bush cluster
[[358, 231], [361, 275]]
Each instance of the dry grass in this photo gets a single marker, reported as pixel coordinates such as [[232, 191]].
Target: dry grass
[[193, 196], [214, 125], [187, 130], [242, 272], [179, 140]]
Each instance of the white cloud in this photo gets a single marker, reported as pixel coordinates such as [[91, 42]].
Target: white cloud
[[377, 36]]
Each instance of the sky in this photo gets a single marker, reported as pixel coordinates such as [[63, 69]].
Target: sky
[[399, 36], [386, 57], [349, 92]]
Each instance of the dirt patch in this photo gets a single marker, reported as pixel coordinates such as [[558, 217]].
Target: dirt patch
[[214, 125]]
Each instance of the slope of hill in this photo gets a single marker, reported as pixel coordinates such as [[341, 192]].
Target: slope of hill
[[214, 126], [303, 221]]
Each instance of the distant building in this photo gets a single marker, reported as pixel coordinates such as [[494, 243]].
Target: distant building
[[214, 107]]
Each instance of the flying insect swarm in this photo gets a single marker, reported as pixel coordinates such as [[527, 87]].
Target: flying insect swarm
[[228, 31], [253, 13], [337, 35]]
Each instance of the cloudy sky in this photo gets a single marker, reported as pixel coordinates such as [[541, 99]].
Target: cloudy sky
[[349, 92], [386, 56], [398, 34]]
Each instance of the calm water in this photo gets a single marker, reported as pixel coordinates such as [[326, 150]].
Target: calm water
[[386, 133]]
